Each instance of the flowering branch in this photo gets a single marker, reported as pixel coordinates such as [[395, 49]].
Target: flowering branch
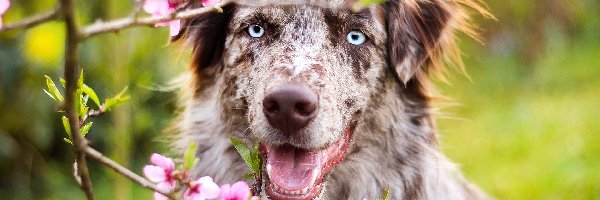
[[133, 21], [32, 21], [160, 177], [125, 172]]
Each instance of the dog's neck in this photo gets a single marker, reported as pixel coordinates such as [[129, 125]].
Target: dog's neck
[[394, 140]]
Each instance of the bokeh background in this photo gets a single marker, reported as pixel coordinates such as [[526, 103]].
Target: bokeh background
[[524, 123]]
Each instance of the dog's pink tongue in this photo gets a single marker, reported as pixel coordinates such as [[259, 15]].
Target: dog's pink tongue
[[292, 168]]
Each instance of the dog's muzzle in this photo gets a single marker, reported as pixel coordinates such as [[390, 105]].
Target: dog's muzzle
[[294, 173], [290, 107]]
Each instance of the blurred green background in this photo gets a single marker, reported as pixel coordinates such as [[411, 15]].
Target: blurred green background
[[523, 125]]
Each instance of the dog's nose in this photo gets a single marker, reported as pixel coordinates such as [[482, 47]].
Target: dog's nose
[[290, 107]]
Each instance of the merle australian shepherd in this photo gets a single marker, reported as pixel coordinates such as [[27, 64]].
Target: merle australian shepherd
[[338, 98]]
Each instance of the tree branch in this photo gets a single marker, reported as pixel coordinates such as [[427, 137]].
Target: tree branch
[[133, 21], [32, 21], [124, 171], [71, 77], [74, 35]]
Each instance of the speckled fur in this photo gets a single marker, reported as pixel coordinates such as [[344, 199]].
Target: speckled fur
[[381, 85]]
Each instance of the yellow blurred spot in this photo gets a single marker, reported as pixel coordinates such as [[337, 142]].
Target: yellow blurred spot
[[44, 44]]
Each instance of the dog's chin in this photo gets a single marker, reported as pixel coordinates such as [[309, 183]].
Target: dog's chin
[[298, 174]]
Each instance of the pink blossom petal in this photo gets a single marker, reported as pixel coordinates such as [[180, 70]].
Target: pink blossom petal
[[208, 188], [192, 195], [174, 27], [240, 190], [162, 161], [159, 196], [254, 198], [155, 173], [156, 7], [226, 192], [237, 191], [209, 2], [4, 4], [167, 185]]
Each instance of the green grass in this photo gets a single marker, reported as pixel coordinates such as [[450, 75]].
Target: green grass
[[529, 132]]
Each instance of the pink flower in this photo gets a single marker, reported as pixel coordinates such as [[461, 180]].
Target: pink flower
[[161, 172], [203, 188], [160, 8], [237, 191], [209, 2], [165, 7], [4, 4]]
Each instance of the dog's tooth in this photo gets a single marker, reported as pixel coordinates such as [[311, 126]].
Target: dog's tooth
[[314, 178], [304, 191]]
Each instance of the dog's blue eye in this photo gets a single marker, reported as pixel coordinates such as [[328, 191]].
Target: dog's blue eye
[[256, 31], [356, 37]]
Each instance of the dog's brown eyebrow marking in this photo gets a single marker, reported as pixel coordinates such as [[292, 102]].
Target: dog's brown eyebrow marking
[[334, 24], [363, 14], [339, 24]]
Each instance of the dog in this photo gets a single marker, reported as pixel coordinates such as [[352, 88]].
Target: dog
[[338, 98]]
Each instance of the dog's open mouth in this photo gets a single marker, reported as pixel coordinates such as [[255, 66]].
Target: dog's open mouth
[[297, 174]]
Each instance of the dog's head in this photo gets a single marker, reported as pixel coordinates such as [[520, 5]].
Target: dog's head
[[298, 76]]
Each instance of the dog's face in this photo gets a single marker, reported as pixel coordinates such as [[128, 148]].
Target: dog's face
[[324, 61], [304, 75], [298, 77]]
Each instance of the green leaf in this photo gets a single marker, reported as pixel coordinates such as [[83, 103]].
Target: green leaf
[[369, 2], [361, 4], [91, 93], [65, 122], [189, 156], [256, 159], [84, 99], [85, 128], [113, 102], [68, 141], [63, 83], [243, 150], [51, 96], [80, 101], [249, 176], [53, 90], [386, 193], [80, 80]]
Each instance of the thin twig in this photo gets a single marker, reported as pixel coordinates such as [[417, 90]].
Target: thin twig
[[71, 76], [32, 21], [92, 153], [132, 21], [92, 113]]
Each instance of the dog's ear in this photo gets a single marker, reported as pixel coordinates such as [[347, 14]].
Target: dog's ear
[[206, 35], [415, 32]]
